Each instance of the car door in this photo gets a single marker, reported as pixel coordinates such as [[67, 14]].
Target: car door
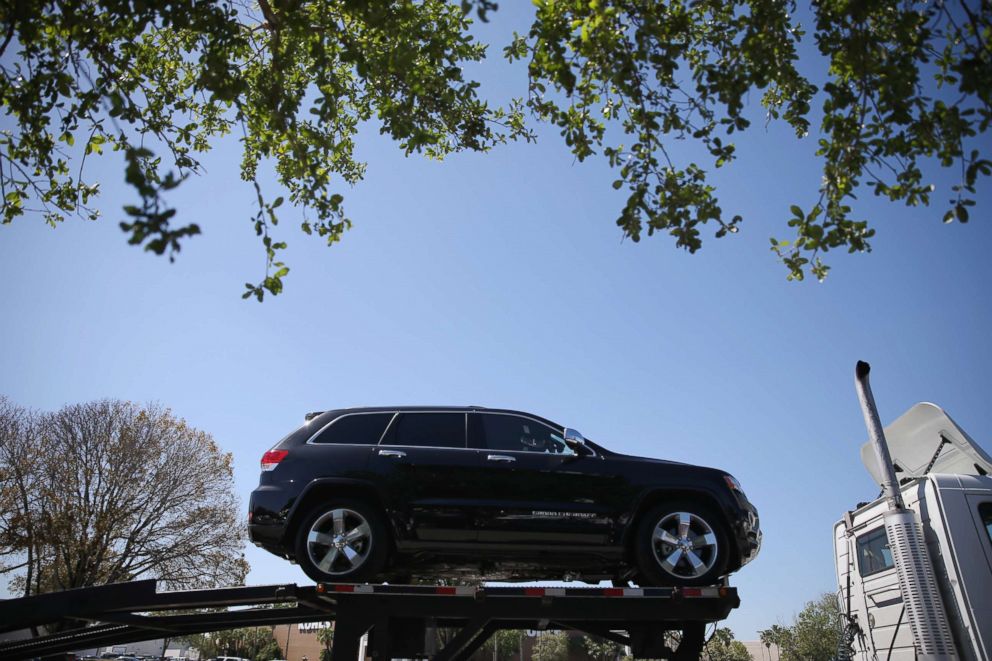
[[534, 489], [420, 467]]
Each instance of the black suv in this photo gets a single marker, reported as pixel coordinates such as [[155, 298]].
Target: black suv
[[404, 493]]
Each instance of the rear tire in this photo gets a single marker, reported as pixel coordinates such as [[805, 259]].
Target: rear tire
[[342, 541], [681, 543]]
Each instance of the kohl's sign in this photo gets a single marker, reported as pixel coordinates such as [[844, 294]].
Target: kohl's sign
[[312, 627]]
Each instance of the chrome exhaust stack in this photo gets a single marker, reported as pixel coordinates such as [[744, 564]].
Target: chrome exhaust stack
[[890, 484], [917, 582]]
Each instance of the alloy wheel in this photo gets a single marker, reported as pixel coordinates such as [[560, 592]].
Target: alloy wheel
[[684, 545], [339, 542]]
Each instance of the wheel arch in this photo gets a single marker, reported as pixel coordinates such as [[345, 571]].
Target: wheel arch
[[322, 490], [658, 496]]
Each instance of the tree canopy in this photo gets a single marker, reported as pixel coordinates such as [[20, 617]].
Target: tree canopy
[[896, 93], [110, 491], [722, 646], [813, 636], [600, 649], [550, 646]]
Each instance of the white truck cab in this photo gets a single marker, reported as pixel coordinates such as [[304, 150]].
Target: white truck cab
[[946, 478]]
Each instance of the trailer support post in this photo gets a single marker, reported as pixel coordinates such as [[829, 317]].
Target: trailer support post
[[348, 632], [475, 633]]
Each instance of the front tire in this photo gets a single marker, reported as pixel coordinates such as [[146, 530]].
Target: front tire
[[343, 541], [681, 543]]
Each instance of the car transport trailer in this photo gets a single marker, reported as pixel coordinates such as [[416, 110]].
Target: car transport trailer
[[401, 620]]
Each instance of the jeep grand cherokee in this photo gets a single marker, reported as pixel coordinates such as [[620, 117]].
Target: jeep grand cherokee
[[401, 493]]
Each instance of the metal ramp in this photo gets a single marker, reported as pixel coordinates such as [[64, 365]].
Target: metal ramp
[[400, 619]]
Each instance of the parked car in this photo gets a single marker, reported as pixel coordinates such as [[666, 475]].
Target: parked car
[[404, 493]]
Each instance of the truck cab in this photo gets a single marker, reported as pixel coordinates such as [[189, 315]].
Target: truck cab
[[946, 478]]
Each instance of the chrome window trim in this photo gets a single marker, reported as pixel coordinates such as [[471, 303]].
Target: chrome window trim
[[433, 447], [397, 412], [543, 424], [423, 447], [310, 441], [388, 426]]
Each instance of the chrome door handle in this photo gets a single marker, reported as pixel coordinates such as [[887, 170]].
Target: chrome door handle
[[501, 457], [391, 453]]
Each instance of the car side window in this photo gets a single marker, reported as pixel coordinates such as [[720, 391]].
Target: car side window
[[436, 430], [355, 429], [874, 554], [514, 433]]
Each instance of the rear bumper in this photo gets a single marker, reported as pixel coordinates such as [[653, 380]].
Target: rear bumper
[[268, 510]]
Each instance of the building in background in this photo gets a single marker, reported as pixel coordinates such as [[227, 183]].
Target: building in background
[[300, 640], [760, 652], [170, 647]]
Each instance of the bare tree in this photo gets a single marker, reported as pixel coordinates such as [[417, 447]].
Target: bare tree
[[19, 543], [110, 491]]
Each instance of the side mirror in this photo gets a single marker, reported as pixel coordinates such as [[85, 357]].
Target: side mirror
[[574, 438]]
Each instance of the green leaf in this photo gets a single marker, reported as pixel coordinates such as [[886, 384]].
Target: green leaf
[[904, 94]]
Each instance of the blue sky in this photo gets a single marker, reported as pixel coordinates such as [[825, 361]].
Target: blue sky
[[501, 280]]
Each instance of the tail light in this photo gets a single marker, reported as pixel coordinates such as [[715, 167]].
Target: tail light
[[272, 458]]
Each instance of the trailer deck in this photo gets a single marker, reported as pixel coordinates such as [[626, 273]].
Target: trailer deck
[[400, 619]]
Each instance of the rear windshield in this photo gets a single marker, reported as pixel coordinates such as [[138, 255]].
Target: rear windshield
[[355, 429]]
